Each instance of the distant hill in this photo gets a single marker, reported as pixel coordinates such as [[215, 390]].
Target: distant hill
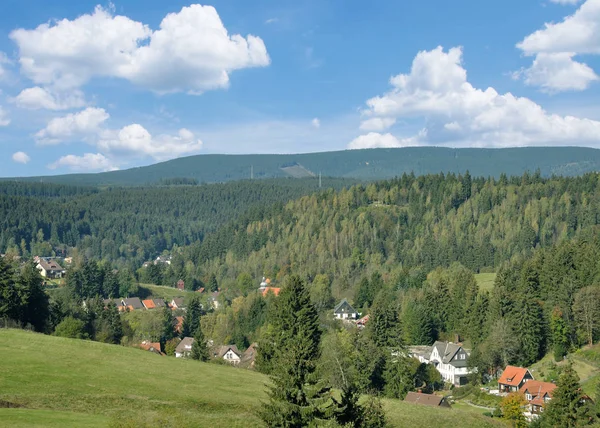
[[371, 164]]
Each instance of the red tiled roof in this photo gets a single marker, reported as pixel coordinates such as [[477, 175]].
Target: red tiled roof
[[149, 304], [512, 375], [538, 391], [271, 289]]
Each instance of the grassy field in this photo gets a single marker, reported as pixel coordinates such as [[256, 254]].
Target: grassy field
[[167, 293], [485, 281], [67, 382]]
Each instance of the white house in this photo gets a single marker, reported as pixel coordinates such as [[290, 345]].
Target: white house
[[229, 353], [450, 359], [345, 311], [50, 268], [184, 349]]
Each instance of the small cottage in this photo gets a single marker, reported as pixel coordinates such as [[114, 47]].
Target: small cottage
[[229, 353], [427, 399], [184, 349], [513, 378], [537, 394], [345, 311]]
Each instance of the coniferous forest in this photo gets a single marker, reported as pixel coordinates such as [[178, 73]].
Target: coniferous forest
[[405, 251]]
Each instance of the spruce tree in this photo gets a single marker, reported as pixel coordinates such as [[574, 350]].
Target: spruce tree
[[191, 320], [167, 332], [296, 398], [529, 329], [568, 407], [199, 348]]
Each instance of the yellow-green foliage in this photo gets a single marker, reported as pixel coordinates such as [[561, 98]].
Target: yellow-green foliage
[[68, 382]]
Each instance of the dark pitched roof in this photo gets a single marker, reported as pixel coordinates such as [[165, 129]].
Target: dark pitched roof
[[426, 399], [50, 265], [159, 303], [134, 302], [178, 301], [222, 350], [447, 351], [344, 308], [185, 345]]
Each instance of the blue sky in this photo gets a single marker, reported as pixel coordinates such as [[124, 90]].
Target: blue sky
[[91, 87]]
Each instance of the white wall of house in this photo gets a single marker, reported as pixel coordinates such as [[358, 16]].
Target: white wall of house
[[231, 357]]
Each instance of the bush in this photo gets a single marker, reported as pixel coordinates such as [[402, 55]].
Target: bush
[[72, 328]]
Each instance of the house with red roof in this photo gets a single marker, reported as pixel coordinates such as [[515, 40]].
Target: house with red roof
[[537, 394], [513, 378]]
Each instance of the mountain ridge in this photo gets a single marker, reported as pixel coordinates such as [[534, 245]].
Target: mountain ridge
[[365, 164]]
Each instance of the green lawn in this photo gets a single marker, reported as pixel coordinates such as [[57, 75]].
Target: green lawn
[[162, 292], [485, 281], [68, 382]]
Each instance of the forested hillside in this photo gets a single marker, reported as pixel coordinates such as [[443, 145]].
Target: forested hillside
[[370, 164], [403, 228], [129, 225]]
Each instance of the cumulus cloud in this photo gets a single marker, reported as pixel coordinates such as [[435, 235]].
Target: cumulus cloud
[[88, 162], [316, 123], [556, 72], [374, 140], [136, 140], [3, 62], [556, 44], [21, 157], [73, 126], [41, 98], [437, 91], [4, 120], [190, 52], [377, 123]]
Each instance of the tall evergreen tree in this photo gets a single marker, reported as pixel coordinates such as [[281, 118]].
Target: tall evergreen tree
[[296, 398], [191, 320], [168, 327], [199, 348]]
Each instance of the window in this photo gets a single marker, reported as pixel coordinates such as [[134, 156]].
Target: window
[[528, 396]]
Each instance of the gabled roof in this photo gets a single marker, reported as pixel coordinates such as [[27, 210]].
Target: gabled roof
[[447, 351], [177, 302], [185, 345], [426, 399], [222, 350], [344, 308], [513, 376], [134, 302], [159, 303], [50, 265], [148, 303], [538, 391], [151, 346]]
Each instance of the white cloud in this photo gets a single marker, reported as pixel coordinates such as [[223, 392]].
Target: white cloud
[[437, 91], [578, 33], [37, 98], [73, 126], [88, 162], [556, 72], [554, 47], [21, 157], [136, 140], [3, 61], [377, 123], [272, 20], [316, 123], [565, 2], [191, 52], [4, 120], [374, 140]]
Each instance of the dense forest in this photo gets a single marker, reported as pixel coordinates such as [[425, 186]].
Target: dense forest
[[130, 225], [367, 164]]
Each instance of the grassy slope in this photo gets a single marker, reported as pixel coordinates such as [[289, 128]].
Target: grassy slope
[[66, 382], [485, 281], [362, 164], [163, 292]]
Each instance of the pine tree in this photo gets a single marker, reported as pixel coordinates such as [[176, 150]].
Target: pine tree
[[296, 398], [568, 407], [191, 320], [529, 329], [384, 325], [168, 331], [199, 348]]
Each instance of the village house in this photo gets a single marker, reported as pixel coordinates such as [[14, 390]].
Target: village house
[[184, 349], [177, 303], [345, 311], [427, 399], [154, 303], [537, 394], [50, 268], [229, 353], [159, 303], [361, 323], [513, 378], [213, 300], [153, 347], [163, 259], [249, 357], [132, 303], [450, 359]]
